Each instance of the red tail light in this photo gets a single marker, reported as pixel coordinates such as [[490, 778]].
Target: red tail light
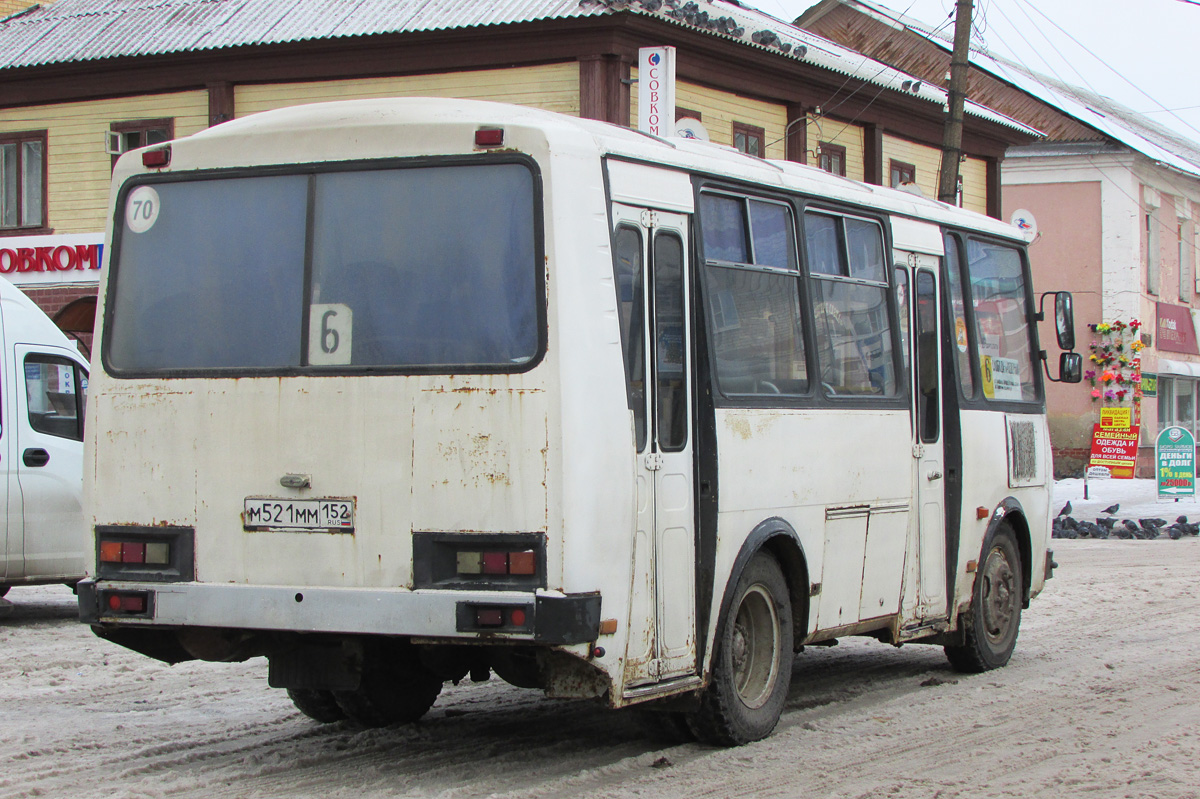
[[156, 159], [489, 137]]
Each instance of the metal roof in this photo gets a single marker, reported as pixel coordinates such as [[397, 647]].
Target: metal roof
[[1103, 114], [70, 31]]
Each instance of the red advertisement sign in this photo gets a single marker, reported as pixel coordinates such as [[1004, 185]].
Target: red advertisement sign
[[1175, 333], [1115, 449]]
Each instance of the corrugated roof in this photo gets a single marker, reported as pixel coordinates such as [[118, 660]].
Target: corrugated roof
[[1112, 119], [89, 30]]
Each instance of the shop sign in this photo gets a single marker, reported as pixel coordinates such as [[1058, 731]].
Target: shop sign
[[1175, 463], [55, 259], [656, 90], [1115, 448], [1149, 384], [1176, 333]]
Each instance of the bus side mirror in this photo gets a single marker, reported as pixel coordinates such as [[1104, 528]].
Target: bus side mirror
[[1064, 321], [1070, 367]]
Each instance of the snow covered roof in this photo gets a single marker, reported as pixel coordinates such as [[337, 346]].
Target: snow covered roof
[[1105, 115], [89, 30]]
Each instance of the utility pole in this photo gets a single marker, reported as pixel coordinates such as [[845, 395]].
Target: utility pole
[[952, 135]]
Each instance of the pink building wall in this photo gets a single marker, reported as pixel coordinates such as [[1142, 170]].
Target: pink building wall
[[1066, 256]]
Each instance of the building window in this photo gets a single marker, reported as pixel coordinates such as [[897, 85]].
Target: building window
[[23, 181], [902, 173], [832, 158], [141, 133], [749, 139], [687, 113]]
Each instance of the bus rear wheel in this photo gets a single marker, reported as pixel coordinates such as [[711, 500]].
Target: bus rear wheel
[[991, 625], [318, 705], [395, 689], [751, 669]]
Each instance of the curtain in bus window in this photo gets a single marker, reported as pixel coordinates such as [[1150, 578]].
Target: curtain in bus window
[[214, 280], [627, 266], [771, 233], [1001, 321], [724, 228], [758, 342], [670, 342], [821, 244], [958, 317], [436, 265], [854, 341]]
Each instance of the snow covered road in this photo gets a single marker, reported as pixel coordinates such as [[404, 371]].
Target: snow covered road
[[1101, 699]]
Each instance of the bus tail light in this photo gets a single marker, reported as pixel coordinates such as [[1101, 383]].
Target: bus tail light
[[489, 137], [161, 554], [157, 158], [494, 618], [494, 561], [126, 603]]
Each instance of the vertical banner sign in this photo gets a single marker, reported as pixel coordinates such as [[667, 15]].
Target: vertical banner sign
[[1175, 463], [656, 90], [1115, 443]]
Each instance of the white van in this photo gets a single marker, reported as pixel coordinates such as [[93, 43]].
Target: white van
[[42, 396]]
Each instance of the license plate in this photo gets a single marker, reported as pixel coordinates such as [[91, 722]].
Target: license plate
[[329, 515]]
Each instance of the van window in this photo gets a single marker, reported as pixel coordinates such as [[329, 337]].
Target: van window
[[56, 394], [428, 268]]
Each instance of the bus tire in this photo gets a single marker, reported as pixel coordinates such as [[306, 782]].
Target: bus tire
[[751, 670], [391, 692], [318, 705], [991, 625]]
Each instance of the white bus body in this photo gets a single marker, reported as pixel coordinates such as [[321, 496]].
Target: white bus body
[[398, 391], [43, 538]]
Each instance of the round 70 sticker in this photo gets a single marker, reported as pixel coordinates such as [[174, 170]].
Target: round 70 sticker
[[141, 209]]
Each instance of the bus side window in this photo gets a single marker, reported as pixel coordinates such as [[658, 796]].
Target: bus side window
[[753, 297], [1002, 329], [627, 266], [850, 305], [958, 317]]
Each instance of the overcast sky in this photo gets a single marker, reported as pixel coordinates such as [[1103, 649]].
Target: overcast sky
[[1140, 53]]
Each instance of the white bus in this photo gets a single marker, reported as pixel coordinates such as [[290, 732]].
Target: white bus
[[395, 392]]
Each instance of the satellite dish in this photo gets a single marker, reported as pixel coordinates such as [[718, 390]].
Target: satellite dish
[[691, 128], [1023, 220]]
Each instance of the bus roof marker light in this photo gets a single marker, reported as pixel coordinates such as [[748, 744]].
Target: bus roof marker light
[[157, 158], [489, 137]]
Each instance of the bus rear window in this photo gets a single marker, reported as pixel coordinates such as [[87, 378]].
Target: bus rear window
[[422, 268]]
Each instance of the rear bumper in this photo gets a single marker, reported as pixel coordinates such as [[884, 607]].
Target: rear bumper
[[549, 617]]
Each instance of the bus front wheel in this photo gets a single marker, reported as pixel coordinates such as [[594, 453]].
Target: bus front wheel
[[991, 625], [752, 662]]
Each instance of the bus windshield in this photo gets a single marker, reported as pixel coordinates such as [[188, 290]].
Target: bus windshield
[[429, 268]]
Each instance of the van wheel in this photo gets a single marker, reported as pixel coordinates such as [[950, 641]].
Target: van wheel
[[991, 625], [318, 705], [395, 689], [752, 663]]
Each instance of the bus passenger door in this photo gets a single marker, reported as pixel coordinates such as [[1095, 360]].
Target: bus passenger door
[[662, 623], [927, 442]]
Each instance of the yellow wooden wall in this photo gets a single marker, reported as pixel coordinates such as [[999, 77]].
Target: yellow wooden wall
[[974, 175], [843, 134], [554, 87], [719, 110], [928, 161], [78, 168], [13, 6]]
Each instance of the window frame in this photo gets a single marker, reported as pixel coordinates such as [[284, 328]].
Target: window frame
[[901, 372], [828, 148], [310, 170], [980, 401], [903, 169], [142, 126], [749, 131], [20, 138], [77, 372]]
